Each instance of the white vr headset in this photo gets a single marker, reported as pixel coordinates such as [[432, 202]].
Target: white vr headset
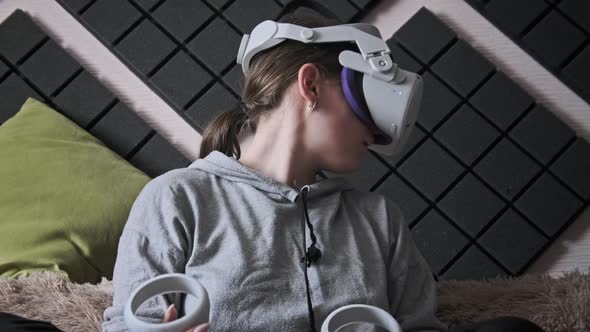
[[383, 96]]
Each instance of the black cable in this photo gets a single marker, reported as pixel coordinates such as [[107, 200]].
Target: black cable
[[312, 253], [307, 263]]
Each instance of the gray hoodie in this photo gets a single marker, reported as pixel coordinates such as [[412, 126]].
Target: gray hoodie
[[240, 233]]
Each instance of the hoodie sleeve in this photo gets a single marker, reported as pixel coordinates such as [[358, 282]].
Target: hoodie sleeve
[[412, 288], [153, 242]]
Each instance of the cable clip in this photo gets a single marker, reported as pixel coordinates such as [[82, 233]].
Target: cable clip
[[313, 254]]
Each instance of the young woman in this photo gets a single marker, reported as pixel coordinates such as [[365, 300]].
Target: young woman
[[235, 219]]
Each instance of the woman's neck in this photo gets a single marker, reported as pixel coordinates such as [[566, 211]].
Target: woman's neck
[[274, 152]]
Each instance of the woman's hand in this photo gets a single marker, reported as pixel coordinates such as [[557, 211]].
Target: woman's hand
[[171, 314]]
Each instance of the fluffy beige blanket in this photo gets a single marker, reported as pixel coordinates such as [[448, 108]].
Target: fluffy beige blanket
[[556, 304]]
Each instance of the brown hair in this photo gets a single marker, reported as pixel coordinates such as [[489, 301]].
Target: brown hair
[[271, 72]]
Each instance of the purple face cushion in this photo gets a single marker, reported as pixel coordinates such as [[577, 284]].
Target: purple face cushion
[[352, 82]]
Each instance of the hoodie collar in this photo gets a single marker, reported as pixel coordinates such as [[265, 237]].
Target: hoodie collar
[[230, 168]]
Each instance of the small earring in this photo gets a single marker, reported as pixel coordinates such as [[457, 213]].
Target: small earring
[[312, 107]]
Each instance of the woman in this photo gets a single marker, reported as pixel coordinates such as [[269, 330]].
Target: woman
[[236, 220]]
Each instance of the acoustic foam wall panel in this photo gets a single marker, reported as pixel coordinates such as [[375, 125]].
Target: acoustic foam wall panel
[[554, 32], [185, 50], [34, 65]]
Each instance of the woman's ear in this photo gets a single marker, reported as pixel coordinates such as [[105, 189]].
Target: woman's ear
[[309, 82]]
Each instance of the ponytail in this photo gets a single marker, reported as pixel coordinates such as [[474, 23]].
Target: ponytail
[[222, 134]]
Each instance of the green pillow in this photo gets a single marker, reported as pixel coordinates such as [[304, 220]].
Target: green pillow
[[64, 197]]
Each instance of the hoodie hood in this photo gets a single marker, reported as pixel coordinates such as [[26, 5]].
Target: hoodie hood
[[230, 168]]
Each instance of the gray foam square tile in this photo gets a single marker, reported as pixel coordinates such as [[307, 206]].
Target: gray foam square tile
[[29, 35], [409, 201], [285, 2], [432, 181], [512, 241], [507, 169], [84, 99], [474, 264], [14, 92], [344, 10], [50, 67], [549, 203], [478, 3], [466, 134], [180, 79], [361, 3], [146, 4], [462, 67], [145, 47], [218, 4], [437, 101], [368, 173], [577, 72], [425, 35], [246, 14], [554, 39], [3, 69], [471, 204], [182, 17], [515, 16], [542, 134], [501, 100], [207, 45], [121, 16], [572, 167], [167, 158], [215, 101], [234, 78], [77, 5], [579, 10], [437, 240], [121, 129], [402, 58]]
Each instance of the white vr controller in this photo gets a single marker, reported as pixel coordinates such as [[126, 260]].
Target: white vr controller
[[197, 312]]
